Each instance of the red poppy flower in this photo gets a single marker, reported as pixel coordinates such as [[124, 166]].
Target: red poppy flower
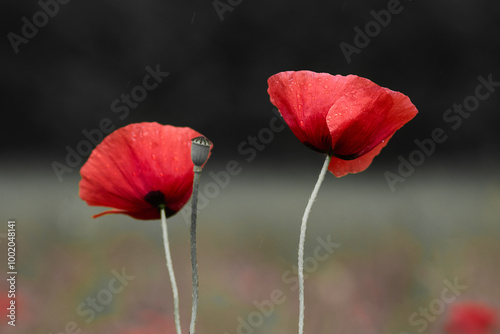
[[348, 117], [471, 318], [139, 167]]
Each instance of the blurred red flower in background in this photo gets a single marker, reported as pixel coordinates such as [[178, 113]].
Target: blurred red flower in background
[[348, 117], [17, 306], [5, 304], [471, 318], [139, 167]]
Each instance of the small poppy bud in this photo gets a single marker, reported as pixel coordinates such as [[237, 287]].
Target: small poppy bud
[[200, 149]]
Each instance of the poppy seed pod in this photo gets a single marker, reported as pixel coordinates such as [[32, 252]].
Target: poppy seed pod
[[200, 150]]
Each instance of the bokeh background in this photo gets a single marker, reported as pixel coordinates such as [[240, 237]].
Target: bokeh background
[[396, 246]]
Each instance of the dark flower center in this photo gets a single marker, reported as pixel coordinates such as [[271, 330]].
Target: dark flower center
[[346, 157], [314, 148], [155, 198]]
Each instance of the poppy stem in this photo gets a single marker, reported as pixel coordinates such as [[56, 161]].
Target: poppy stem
[[194, 263], [302, 238], [170, 268]]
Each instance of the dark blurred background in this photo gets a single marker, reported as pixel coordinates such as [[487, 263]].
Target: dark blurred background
[[396, 247], [65, 78]]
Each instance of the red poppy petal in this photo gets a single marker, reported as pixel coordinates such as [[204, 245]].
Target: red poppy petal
[[304, 99], [340, 167], [362, 119], [136, 160], [145, 214]]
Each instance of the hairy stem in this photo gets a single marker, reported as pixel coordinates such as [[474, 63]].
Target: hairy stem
[[302, 238], [194, 263], [170, 268]]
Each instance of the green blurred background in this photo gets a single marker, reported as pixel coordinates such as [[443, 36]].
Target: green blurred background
[[392, 253]]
